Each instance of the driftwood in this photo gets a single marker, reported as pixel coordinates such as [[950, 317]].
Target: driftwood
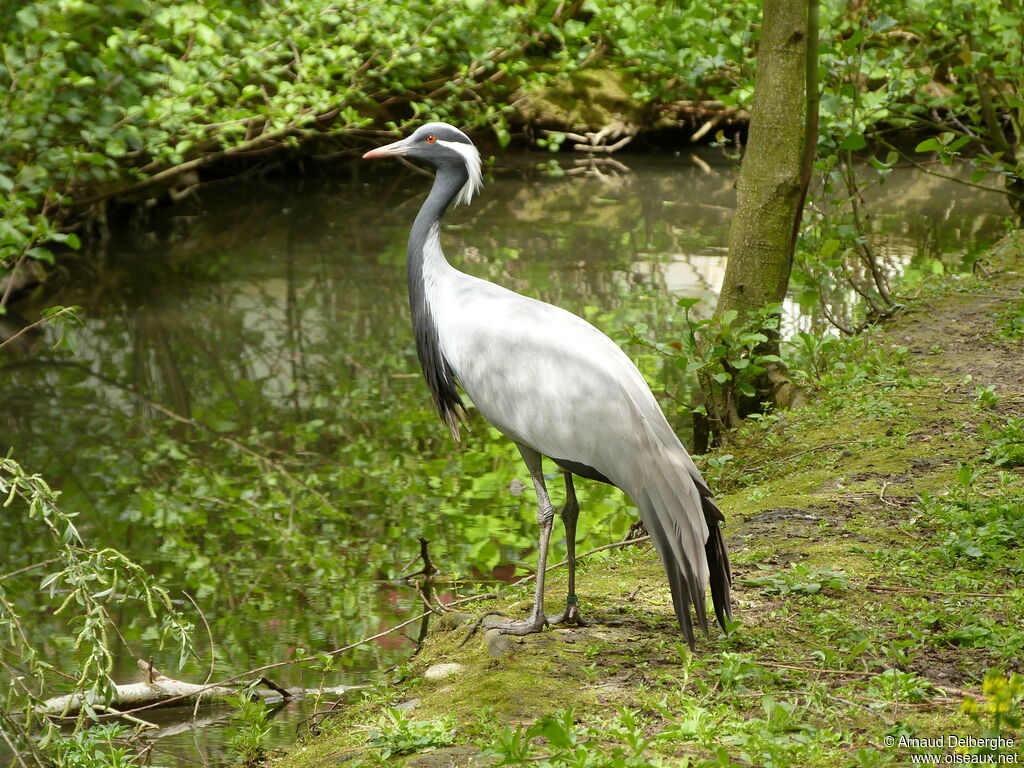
[[158, 688]]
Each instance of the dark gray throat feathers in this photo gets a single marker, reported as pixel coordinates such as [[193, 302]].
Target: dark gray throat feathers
[[436, 370]]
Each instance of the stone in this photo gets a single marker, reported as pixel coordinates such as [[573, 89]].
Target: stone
[[442, 671]]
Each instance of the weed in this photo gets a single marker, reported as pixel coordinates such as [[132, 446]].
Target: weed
[[812, 356], [94, 747], [800, 579], [396, 734], [978, 527], [892, 685], [249, 726], [617, 743], [1002, 709], [987, 396], [1013, 322], [737, 669], [1007, 444]]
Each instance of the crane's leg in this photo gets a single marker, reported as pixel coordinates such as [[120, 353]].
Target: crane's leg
[[545, 518], [570, 512]]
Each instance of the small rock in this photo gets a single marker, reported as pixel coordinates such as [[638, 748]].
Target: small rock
[[497, 643], [441, 671], [408, 706], [449, 621]]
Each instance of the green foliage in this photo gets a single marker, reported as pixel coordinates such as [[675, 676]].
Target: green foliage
[[1000, 712], [987, 396], [894, 685], [99, 95], [725, 348], [1013, 321], [84, 589], [978, 527], [618, 743], [249, 726], [801, 579], [396, 734], [1006, 443], [811, 356], [95, 747]]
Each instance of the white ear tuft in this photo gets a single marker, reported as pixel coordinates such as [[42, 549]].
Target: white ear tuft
[[472, 159]]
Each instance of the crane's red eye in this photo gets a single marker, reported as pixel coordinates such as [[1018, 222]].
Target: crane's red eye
[[431, 139]]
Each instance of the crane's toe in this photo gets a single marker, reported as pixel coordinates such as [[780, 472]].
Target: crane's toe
[[528, 626], [571, 615]]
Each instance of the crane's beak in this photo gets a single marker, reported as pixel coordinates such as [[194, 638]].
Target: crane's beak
[[388, 150]]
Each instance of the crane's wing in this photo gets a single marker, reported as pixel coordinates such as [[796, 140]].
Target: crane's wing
[[551, 380]]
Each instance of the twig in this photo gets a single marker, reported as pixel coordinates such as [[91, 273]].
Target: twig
[[130, 718], [759, 467], [822, 671], [8, 289], [27, 328], [28, 568], [285, 694], [881, 496], [476, 626], [613, 545], [213, 652], [915, 591]]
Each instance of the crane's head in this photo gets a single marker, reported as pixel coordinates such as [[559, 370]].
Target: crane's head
[[443, 146]]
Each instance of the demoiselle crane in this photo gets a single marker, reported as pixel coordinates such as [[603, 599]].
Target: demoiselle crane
[[559, 388]]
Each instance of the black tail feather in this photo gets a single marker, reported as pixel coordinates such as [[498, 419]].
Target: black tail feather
[[718, 562]]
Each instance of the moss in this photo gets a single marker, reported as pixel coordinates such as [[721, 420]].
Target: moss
[[831, 485]]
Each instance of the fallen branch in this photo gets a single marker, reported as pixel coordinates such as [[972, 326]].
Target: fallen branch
[[156, 689], [159, 690]]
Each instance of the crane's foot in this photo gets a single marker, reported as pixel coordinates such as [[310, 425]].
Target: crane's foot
[[532, 625], [571, 615], [521, 627]]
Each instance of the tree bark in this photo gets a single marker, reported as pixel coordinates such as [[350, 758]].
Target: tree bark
[[769, 186], [770, 189]]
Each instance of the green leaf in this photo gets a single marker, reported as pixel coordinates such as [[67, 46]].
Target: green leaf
[[829, 247], [115, 147], [854, 141], [928, 145]]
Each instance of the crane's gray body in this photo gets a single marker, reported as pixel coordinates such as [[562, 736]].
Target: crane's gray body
[[554, 383]]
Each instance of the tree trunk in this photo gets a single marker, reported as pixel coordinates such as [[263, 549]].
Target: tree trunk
[[770, 191]]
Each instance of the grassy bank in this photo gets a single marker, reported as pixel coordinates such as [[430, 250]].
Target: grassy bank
[[877, 537]]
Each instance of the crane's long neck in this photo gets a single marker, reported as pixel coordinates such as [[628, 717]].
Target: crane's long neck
[[426, 266], [424, 235]]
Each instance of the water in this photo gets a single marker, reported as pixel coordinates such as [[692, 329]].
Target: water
[[242, 410]]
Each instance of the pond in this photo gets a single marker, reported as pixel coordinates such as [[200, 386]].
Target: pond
[[242, 412]]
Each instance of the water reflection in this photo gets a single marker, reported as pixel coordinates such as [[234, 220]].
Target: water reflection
[[243, 411]]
